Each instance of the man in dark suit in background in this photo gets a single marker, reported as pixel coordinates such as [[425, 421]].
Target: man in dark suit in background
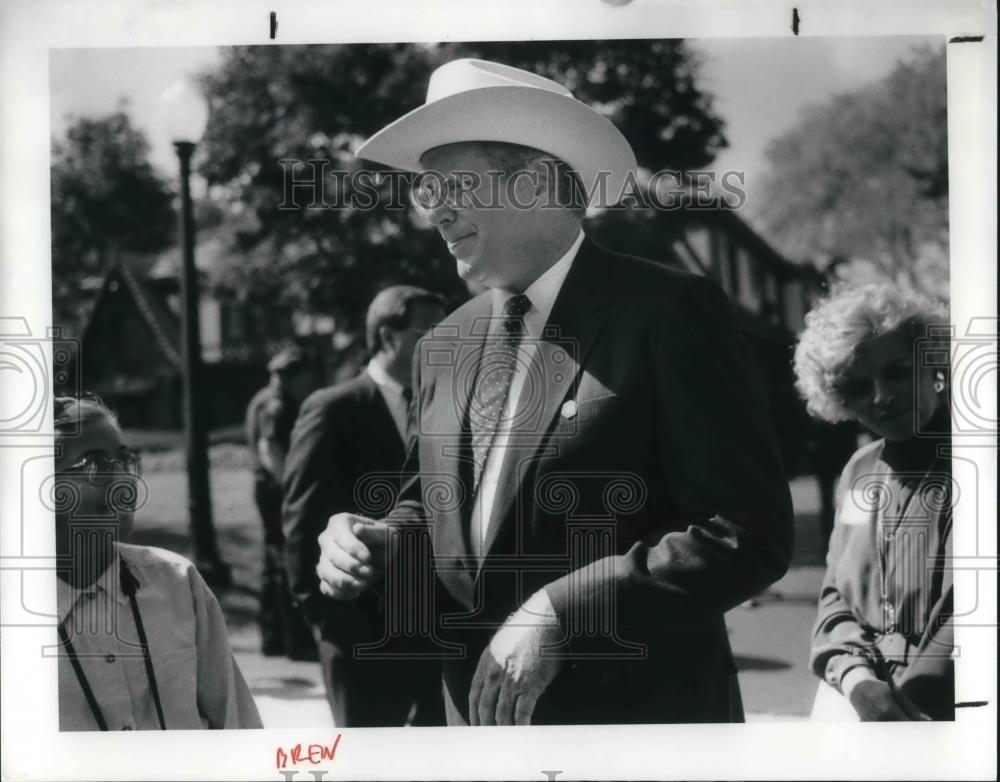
[[601, 417], [269, 420], [347, 448]]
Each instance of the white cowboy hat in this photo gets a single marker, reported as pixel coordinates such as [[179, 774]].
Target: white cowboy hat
[[476, 100]]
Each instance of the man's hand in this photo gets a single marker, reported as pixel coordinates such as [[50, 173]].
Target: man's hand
[[517, 666], [877, 701], [353, 552]]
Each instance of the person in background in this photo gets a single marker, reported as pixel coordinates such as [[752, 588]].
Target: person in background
[[883, 636], [347, 446], [143, 642], [269, 421]]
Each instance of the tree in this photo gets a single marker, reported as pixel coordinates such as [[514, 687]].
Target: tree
[[647, 88], [106, 196], [319, 102], [861, 183]]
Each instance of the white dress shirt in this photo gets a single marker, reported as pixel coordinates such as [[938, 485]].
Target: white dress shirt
[[392, 393], [199, 683], [542, 293]]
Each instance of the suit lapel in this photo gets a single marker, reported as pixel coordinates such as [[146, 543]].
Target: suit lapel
[[574, 325], [455, 347]]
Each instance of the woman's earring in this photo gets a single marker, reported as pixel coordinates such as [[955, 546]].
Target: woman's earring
[[939, 384]]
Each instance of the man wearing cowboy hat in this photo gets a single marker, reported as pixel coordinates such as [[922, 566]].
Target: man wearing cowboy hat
[[591, 461]]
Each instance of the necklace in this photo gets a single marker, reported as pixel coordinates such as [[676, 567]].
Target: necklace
[[883, 541]]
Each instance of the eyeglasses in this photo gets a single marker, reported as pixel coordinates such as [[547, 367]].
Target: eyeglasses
[[101, 469], [431, 190]]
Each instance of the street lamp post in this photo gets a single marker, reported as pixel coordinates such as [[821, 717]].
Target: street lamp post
[[186, 115]]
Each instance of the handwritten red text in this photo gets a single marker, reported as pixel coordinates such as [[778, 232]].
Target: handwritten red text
[[306, 753]]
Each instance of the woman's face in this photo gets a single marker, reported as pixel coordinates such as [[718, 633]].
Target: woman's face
[[884, 389], [95, 483]]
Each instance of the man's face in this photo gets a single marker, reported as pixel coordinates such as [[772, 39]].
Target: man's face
[[490, 238]]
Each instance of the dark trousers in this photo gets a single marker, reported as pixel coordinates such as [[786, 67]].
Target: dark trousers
[[283, 630], [380, 693]]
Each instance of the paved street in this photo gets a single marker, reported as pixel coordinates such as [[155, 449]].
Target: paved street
[[770, 640]]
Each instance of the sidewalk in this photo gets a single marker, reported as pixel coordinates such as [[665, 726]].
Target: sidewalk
[[289, 694], [770, 641]]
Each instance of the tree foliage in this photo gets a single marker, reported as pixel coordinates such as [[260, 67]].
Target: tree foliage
[[319, 102], [862, 181], [105, 196], [647, 88]]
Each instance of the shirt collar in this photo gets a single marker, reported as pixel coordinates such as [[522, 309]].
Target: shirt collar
[[542, 292], [381, 378], [108, 582]]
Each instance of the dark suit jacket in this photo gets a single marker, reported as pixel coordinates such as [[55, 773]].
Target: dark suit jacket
[[646, 511], [345, 456]]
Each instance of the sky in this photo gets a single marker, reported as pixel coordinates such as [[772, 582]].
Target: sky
[[93, 82], [760, 86]]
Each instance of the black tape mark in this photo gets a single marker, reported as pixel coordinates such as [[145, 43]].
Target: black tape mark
[[274, 24], [971, 704], [795, 21], [966, 39]]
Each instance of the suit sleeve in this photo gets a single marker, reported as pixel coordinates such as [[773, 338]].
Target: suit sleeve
[[730, 535], [409, 588], [309, 493]]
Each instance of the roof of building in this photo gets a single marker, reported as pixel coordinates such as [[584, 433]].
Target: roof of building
[[163, 323]]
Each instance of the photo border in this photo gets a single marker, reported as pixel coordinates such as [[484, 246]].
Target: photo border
[[32, 746]]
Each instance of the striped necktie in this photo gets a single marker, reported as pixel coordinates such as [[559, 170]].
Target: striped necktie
[[496, 368]]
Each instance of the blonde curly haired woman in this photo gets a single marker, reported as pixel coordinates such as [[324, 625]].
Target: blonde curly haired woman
[[882, 640]]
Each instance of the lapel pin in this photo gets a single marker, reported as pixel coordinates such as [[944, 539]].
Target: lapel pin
[[569, 409]]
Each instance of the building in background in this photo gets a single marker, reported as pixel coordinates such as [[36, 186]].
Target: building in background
[[130, 344], [771, 294], [130, 347]]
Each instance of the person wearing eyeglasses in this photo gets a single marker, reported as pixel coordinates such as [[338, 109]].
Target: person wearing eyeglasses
[[613, 479], [346, 452], [142, 639]]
